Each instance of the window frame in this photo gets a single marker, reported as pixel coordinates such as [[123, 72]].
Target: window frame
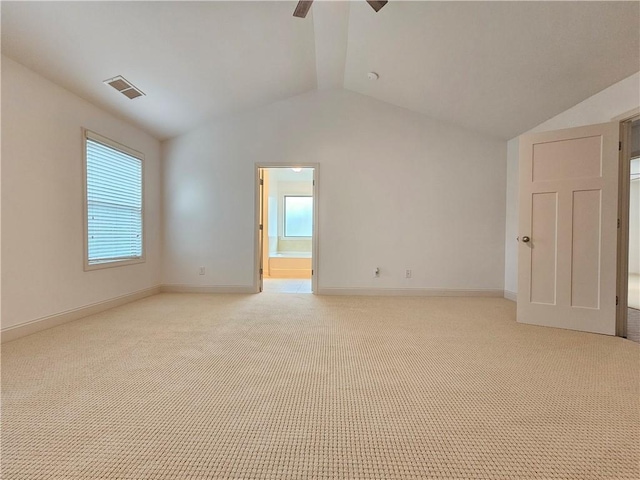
[[284, 217], [89, 135]]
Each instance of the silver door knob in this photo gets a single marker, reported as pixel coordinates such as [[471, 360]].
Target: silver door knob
[[525, 239]]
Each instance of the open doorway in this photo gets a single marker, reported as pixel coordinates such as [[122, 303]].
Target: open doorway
[[629, 261], [633, 287], [287, 229]]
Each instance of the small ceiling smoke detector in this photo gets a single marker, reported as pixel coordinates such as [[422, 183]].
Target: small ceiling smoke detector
[[373, 76], [125, 87]]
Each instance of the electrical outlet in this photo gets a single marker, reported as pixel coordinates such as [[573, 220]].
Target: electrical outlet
[[201, 271], [407, 273]]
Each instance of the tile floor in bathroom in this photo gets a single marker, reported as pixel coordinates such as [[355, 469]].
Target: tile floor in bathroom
[[286, 285]]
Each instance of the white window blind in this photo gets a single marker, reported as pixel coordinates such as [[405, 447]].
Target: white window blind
[[114, 203]]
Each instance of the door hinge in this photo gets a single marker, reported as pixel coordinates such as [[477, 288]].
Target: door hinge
[[616, 299], [261, 227], [261, 182], [619, 146], [260, 271], [311, 272], [313, 182]]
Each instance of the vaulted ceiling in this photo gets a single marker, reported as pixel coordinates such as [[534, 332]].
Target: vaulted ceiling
[[495, 67]]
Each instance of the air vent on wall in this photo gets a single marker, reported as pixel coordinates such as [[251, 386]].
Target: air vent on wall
[[124, 87]]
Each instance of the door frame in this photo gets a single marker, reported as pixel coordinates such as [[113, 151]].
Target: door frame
[[257, 281], [622, 286]]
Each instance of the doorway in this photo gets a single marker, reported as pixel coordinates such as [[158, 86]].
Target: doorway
[[286, 213], [629, 235]]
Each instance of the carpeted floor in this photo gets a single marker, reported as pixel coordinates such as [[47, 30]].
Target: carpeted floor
[[288, 386]]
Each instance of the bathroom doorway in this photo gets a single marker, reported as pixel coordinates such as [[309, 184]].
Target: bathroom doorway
[[629, 236], [286, 229]]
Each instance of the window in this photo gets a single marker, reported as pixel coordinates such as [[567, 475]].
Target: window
[[298, 216], [113, 185]]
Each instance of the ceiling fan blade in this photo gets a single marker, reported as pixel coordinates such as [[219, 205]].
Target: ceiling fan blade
[[303, 8], [377, 5]]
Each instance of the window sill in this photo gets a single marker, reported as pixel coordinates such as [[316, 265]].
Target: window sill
[[115, 263]]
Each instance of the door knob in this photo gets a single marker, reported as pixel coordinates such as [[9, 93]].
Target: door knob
[[525, 239]]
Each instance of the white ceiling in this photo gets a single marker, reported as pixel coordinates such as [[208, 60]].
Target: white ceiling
[[495, 67], [193, 60], [288, 175]]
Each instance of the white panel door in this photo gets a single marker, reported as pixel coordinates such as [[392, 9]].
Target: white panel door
[[568, 228]]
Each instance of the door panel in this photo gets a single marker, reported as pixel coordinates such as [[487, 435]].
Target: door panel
[[543, 252], [568, 208], [585, 261], [574, 158]]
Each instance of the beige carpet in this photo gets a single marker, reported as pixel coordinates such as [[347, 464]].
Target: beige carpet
[[286, 386]]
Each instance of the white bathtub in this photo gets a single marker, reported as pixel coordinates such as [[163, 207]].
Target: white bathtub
[[289, 265]]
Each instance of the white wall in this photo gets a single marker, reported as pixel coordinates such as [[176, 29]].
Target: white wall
[[282, 182], [600, 108], [292, 188], [635, 139], [42, 222], [511, 221], [272, 211], [396, 190], [634, 226]]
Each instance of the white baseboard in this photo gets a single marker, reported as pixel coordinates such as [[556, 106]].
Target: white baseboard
[[33, 326], [411, 292], [181, 288], [509, 295]]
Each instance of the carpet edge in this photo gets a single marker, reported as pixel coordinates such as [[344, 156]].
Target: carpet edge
[[43, 323]]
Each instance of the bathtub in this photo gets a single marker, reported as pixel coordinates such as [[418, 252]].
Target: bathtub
[[289, 265]]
